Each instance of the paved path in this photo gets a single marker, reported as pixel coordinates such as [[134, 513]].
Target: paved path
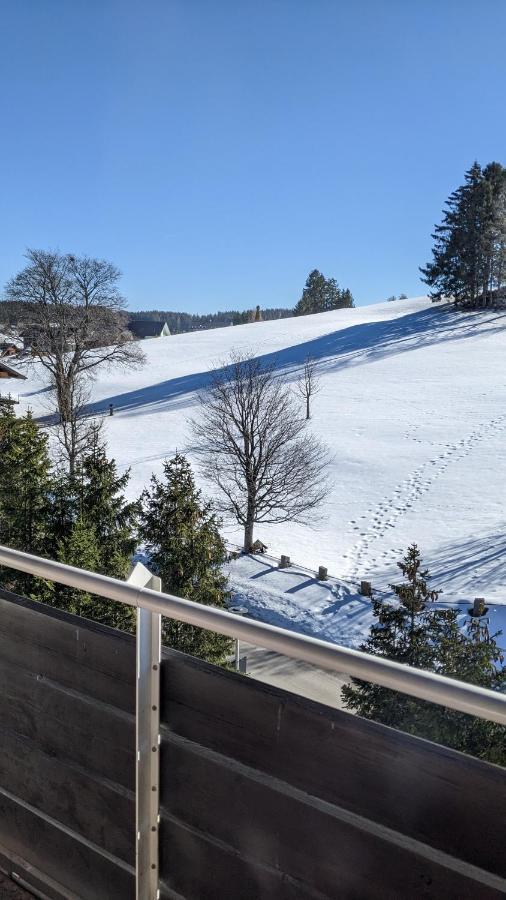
[[294, 675]]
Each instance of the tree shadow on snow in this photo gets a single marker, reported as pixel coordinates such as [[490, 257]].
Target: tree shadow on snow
[[473, 562], [356, 345]]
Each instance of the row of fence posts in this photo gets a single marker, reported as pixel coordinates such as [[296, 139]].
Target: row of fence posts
[[477, 614], [323, 572]]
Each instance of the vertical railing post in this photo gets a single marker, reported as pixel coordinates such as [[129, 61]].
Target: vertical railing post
[[239, 611], [147, 737]]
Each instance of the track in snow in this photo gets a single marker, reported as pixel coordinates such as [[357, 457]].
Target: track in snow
[[378, 521]]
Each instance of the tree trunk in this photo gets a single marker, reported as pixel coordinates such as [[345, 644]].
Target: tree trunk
[[248, 537], [72, 450], [249, 525], [64, 397], [307, 408]]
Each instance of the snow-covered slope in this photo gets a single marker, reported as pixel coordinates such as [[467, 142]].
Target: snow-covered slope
[[413, 406], [332, 610]]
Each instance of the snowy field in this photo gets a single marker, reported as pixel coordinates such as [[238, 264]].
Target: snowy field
[[413, 407]]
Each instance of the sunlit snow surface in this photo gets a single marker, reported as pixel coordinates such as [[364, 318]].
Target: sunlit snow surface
[[413, 407], [332, 610]]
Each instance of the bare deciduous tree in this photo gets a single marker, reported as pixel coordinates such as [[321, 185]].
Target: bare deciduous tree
[[308, 383], [71, 308], [252, 444], [77, 432]]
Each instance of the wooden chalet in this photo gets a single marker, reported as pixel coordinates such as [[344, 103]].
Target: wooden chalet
[[8, 372]]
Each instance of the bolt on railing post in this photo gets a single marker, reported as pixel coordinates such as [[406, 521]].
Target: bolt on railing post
[[147, 742]]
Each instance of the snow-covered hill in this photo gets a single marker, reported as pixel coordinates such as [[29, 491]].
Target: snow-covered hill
[[413, 406]]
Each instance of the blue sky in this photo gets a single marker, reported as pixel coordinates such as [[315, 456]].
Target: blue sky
[[218, 151]]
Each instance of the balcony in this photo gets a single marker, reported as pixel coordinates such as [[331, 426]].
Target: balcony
[[126, 773]]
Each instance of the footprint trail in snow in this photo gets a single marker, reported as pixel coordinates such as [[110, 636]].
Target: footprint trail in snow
[[378, 521]]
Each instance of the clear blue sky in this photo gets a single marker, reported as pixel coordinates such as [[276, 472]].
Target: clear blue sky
[[217, 151]]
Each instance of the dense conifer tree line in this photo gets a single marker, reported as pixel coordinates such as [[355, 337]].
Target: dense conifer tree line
[[82, 518], [179, 322]]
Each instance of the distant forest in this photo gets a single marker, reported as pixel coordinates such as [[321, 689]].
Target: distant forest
[[181, 321], [320, 294], [177, 321]]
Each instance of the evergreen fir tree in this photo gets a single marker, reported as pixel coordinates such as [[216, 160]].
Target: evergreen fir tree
[[79, 549], [101, 499], [181, 535], [92, 498], [414, 632], [469, 252], [322, 294], [345, 300], [63, 511], [25, 478], [494, 230], [82, 549]]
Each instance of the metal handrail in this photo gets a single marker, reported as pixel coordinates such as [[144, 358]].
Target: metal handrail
[[457, 695]]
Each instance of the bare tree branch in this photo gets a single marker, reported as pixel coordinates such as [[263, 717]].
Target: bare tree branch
[[76, 433], [72, 311], [308, 382], [252, 444]]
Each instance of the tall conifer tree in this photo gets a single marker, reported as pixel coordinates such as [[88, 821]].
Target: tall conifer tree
[[25, 478], [100, 491], [82, 548], [181, 535], [469, 253], [412, 631], [93, 526]]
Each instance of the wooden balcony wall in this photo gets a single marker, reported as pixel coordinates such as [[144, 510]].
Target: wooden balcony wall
[[263, 794]]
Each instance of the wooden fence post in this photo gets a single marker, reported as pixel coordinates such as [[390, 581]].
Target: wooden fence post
[[478, 606]]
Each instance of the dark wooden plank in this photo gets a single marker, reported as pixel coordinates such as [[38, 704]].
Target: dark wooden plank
[[255, 830], [27, 875], [68, 725], [63, 746], [244, 711], [92, 807], [196, 868], [101, 648], [75, 652], [435, 795], [50, 664], [270, 825], [76, 866]]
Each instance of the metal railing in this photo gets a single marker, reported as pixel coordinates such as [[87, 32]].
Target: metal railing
[[142, 591]]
